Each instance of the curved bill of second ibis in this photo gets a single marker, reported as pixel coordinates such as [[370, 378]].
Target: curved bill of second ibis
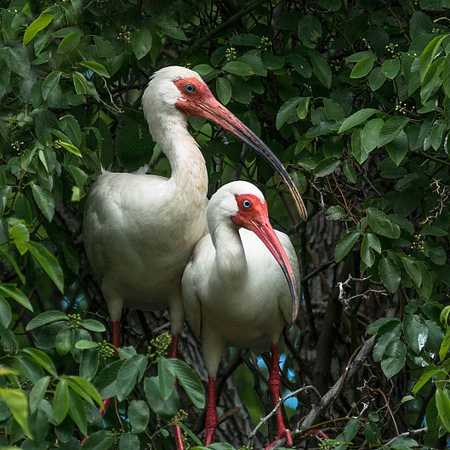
[[263, 229], [216, 112]]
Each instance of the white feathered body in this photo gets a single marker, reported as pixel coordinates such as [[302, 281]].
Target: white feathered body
[[247, 309]]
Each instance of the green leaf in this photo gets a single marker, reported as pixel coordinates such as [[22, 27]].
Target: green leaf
[[223, 89], [376, 79], [166, 378], [416, 333], [5, 313], [77, 413], [394, 359], [101, 440], [303, 107], [203, 69], [391, 68], [370, 134], [141, 42], [392, 128], [426, 376], [445, 346], [38, 392], [444, 315], [70, 42], [93, 325], [238, 68], [309, 30], [398, 148], [326, 166], [129, 441], [44, 200], [345, 245], [17, 403], [129, 374], [443, 406], [42, 359], [427, 56], [287, 112], [84, 388], [138, 415], [70, 148], [189, 381], [158, 405], [412, 268], [81, 85], [321, 69], [46, 318], [49, 263], [387, 334], [390, 274], [367, 255], [380, 224], [61, 402], [363, 67], [50, 83], [96, 67], [356, 118], [84, 344], [63, 341], [39, 24], [9, 290]]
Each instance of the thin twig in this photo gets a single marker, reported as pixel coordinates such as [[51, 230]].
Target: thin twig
[[405, 434], [264, 419]]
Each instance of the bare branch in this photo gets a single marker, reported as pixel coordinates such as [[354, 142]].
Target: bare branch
[[353, 365]]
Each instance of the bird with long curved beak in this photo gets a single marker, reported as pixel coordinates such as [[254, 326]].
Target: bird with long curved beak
[[140, 230], [241, 288]]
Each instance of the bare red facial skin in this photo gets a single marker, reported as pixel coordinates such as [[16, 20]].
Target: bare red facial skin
[[190, 101], [254, 216]]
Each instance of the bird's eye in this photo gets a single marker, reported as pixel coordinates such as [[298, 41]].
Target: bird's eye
[[247, 204], [189, 88]]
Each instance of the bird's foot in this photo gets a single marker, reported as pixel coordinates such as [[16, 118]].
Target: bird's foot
[[284, 438]]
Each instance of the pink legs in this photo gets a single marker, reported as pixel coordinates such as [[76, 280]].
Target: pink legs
[[116, 333], [211, 411], [274, 386]]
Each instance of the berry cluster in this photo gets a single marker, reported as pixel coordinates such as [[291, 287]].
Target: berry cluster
[[418, 244], [158, 346], [125, 34], [74, 320], [179, 417], [392, 49], [403, 108], [264, 43], [18, 146], [106, 350], [230, 54]]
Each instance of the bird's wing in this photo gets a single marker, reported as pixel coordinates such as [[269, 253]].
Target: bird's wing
[[190, 282], [284, 301]]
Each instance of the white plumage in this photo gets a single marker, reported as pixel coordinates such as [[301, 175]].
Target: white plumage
[[235, 292]]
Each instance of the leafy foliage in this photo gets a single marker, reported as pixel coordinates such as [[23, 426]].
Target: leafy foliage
[[354, 97]]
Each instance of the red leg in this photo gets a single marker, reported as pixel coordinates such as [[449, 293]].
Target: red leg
[[173, 350], [116, 333], [211, 411], [274, 386]]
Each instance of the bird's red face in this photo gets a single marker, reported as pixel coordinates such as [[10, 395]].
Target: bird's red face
[[196, 99], [253, 215]]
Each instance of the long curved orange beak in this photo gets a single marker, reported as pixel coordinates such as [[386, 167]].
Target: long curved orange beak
[[209, 108]]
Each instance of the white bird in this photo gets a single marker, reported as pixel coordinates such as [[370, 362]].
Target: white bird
[[240, 288], [139, 230]]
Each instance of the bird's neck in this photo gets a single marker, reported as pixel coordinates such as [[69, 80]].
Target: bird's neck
[[231, 262], [186, 160]]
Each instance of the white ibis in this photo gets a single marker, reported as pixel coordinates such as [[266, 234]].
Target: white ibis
[[139, 230], [241, 288]]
